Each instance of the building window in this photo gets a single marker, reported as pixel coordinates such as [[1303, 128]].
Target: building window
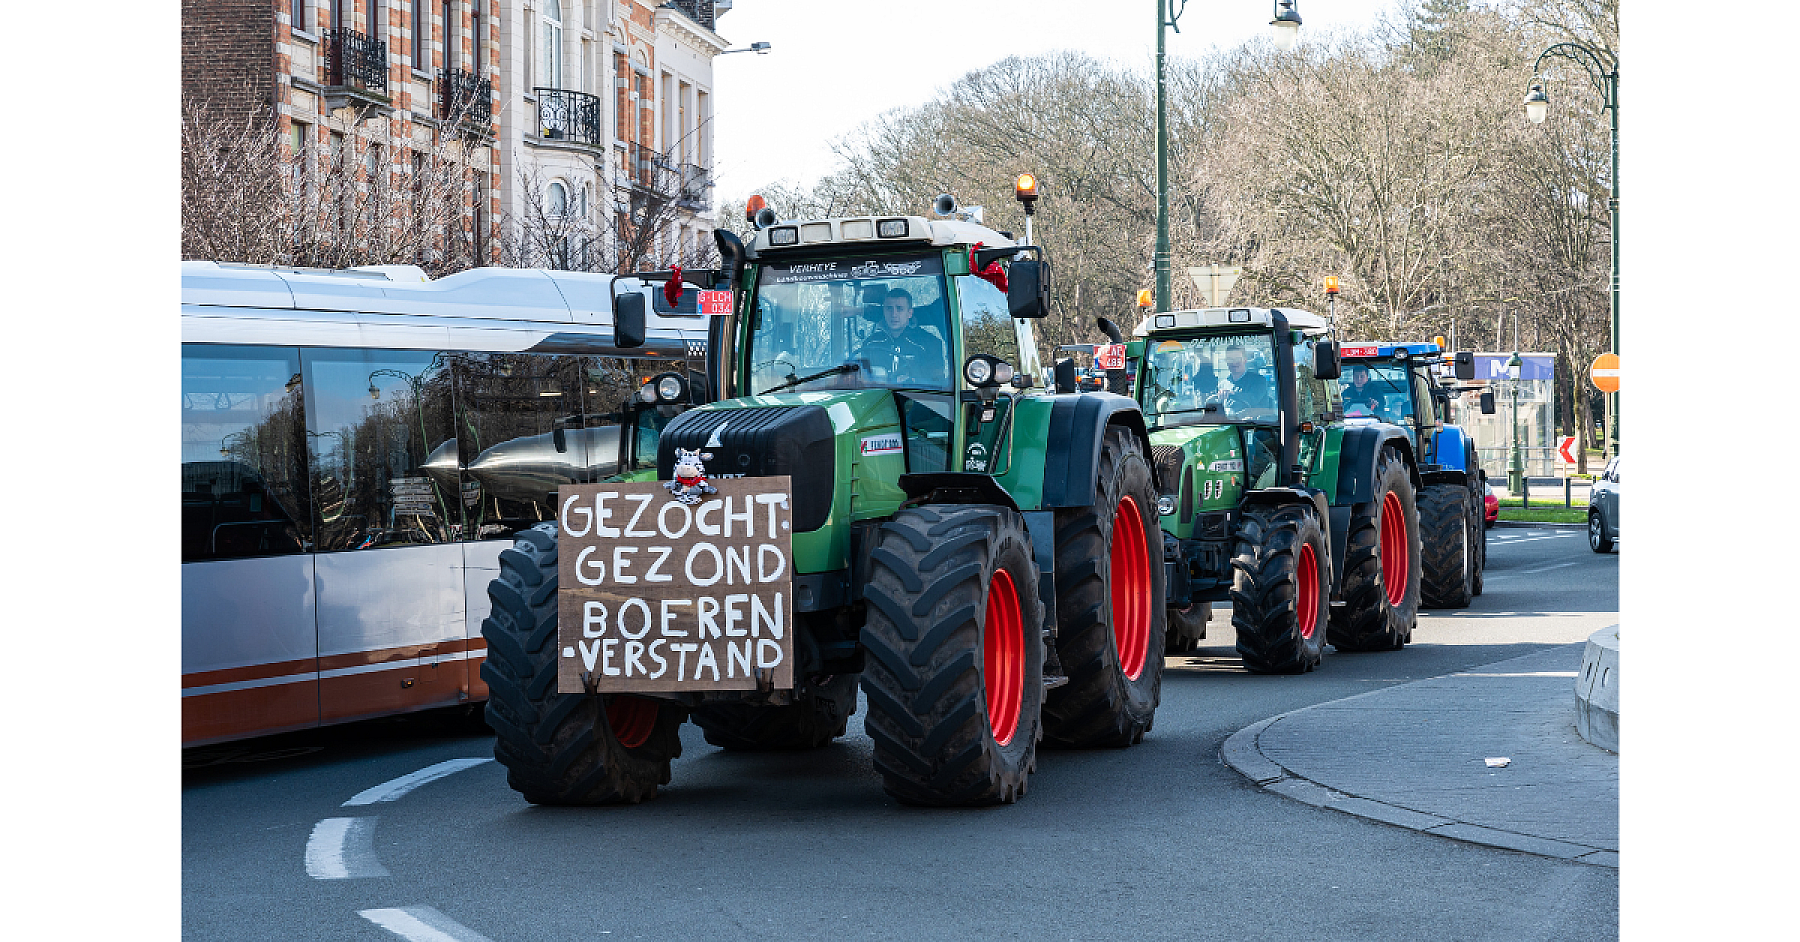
[[449, 35], [556, 200], [338, 10], [421, 36], [478, 65], [297, 14], [374, 18], [551, 58]]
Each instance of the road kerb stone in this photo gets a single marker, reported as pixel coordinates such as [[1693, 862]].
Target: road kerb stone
[[1240, 753], [1601, 858], [1508, 840]]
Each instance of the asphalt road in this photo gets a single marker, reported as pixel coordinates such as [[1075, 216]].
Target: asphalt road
[[1159, 841]]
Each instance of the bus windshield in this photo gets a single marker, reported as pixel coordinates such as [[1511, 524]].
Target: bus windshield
[[851, 325], [1216, 378], [1377, 390]]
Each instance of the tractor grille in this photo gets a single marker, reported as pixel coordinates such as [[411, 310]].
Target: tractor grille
[[1167, 459], [762, 442]]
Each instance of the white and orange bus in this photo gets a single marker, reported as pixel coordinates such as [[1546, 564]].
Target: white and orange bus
[[357, 449]]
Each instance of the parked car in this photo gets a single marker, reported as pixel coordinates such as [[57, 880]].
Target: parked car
[[1490, 505], [1603, 509]]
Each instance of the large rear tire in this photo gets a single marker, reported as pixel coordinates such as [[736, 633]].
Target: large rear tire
[[1382, 571], [1478, 534], [562, 749], [955, 670], [815, 718], [1280, 600], [1448, 557], [1109, 602]]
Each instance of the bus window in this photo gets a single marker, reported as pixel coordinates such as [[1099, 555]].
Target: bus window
[[525, 430], [243, 479], [383, 448]]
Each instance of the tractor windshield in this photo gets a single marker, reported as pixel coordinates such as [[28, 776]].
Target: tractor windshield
[[1377, 391], [850, 324], [1216, 378]]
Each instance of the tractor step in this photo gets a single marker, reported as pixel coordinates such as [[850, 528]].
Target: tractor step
[[1051, 683]]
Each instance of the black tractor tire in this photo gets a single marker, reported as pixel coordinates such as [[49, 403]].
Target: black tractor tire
[[1369, 620], [1187, 627], [1598, 541], [1281, 589], [1478, 533], [562, 749], [816, 717], [1448, 559], [1105, 593], [953, 607]]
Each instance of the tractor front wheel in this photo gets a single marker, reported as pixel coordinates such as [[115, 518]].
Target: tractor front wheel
[[955, 669], [1280, 595], [1109, 602], [1382, 570], [563, 749]]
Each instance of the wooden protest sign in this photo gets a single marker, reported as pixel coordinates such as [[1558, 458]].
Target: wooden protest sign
[[672, 587]]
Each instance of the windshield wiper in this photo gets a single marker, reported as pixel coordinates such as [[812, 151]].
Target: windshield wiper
[[850, 367]]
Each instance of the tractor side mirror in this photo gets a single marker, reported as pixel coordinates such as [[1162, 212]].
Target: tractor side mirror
[[1028, 288], [628, 320], [1325, 360], [1065, 375], [1465, 366], [1487, 403]]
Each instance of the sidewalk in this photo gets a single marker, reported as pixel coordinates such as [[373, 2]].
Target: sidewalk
[[1413, 756]]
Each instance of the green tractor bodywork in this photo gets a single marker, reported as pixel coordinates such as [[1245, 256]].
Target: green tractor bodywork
[[981, 552], [1268, 499]]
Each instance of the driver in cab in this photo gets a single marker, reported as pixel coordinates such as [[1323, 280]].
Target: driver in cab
[[1360, 397], [1241, 390], [906, 351]]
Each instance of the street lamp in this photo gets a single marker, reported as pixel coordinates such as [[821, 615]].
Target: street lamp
[[761, 49], [1515, 472], [1603, 69], [1286, 25], [1287, 32]]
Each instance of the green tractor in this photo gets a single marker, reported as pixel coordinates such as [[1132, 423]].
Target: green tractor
[[1306, 525], [977, 552]]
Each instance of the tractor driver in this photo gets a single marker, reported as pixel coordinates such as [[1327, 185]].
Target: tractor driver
[[1241, 389], [902, 348], [1360, 398]]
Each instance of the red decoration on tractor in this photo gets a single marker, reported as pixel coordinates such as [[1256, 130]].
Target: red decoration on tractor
[[993, 274], [672, 287]]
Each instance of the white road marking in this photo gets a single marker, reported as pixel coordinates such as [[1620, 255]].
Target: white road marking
[[1527, 572], [1530, 538], [422, 924], [343, 849], [1523, 674], [388, 791]]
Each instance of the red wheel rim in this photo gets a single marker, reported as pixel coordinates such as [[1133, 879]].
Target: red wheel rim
[[632, 719], [1308, 595], [1394, 549], [1003, 657], [1130, 588]]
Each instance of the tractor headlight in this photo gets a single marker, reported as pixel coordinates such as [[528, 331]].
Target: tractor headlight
[[891, 228], [785, 235], [670, 388], [1165, 505], [1003, 373], [978, 371]]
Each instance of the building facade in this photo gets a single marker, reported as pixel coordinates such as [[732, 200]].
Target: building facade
[[567, 133]]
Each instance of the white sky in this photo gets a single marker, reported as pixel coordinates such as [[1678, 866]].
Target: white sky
[[838, 63]]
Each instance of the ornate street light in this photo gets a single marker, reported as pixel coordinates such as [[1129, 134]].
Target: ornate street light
[[1515, 472], [1602, 68], [1286, 25]]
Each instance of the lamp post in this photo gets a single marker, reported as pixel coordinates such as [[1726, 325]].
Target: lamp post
[[1602, 68], [761, 49], [1515, 471], [1286, 25]]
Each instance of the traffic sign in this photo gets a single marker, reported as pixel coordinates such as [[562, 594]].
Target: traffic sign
[[1565, 449], [1605, 372], [1214, 282], [1109, 356]]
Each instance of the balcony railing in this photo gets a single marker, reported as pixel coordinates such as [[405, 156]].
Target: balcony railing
[[564, 115], [696, 187], [700, 11], [466, 97], [354, 60]]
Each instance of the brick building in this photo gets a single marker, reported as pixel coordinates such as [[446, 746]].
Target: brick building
[[592, 115]]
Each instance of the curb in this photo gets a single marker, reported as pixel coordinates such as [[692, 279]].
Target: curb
[[1524, 525], [1242, 754]]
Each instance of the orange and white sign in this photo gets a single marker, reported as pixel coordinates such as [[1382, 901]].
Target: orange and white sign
[[1566, 449], [1605, 372]]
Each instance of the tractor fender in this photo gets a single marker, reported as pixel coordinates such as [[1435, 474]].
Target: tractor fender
[[956, 487], [1443, 476], [1072, 443], [1277, 496], [1449, 448], [1356, 461]]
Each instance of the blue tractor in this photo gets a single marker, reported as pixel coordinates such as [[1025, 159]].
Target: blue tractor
[[1399, 383]]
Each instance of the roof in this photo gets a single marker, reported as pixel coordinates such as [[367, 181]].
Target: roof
[[859, 232], [1382, 351], [1173, 321]]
